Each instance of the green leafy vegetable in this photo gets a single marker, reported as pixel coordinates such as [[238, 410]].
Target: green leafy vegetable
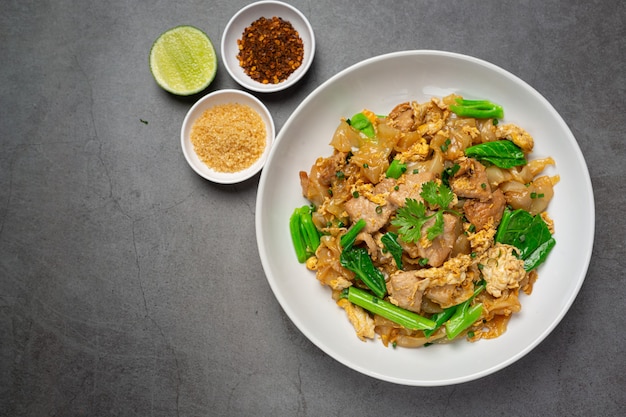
[[478, 109], [390, 240], [358, 261], [411, 218], [396, 169], [385, 309], [360, 122], [530, 234], [347, 240], [501, 153]]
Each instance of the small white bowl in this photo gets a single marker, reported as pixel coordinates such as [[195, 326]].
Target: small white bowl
[[244, 18], [217, 98]]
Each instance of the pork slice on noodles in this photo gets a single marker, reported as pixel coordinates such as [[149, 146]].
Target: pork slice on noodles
[[406, 289], [471, 181], [402, 117], [450, 294], [454, 271], [410, 187], [374, 214], [484, 214], [370, 243]]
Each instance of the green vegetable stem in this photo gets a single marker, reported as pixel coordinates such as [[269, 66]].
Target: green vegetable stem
[[464, 315], [440, 319], [457, 318], [304, 234], [385, 309], [347, 240], [311, 235], [478, 109], [295, 228], [358, 261]]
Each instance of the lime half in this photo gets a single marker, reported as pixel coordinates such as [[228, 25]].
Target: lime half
[[183, 60]]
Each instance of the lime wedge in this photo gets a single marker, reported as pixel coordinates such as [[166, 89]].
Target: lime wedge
[[183, 60]]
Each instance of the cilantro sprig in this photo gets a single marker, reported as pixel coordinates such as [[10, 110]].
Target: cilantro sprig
[[411, 218]]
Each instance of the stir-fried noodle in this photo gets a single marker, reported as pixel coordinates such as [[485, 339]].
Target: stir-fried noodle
[[417, 179]]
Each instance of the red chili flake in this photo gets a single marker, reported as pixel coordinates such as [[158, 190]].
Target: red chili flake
[[270, 50]]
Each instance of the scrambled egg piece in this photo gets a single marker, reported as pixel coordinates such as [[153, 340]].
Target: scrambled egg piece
[[546, 218], [430, 128], [517, 135], [501, 269], [481, 240], [472, 131], [361, 321], [339, 283], [419, 151], [311, 263], [368, 191], [453, 271]]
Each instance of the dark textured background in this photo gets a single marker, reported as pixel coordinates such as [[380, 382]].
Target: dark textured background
[[130, 286]]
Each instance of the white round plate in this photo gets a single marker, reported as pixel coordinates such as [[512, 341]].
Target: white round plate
[[378, 84], [244, 18], [217, 98]]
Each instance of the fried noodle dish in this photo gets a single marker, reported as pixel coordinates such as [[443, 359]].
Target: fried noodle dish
[[427, 223]]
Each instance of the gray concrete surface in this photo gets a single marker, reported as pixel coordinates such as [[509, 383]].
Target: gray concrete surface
[[129, 286]]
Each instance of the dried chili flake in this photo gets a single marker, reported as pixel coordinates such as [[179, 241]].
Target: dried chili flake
[[270, 50]]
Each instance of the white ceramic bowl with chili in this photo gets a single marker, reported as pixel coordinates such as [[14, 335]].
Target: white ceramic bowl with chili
[[225, 99], [244, 19]]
